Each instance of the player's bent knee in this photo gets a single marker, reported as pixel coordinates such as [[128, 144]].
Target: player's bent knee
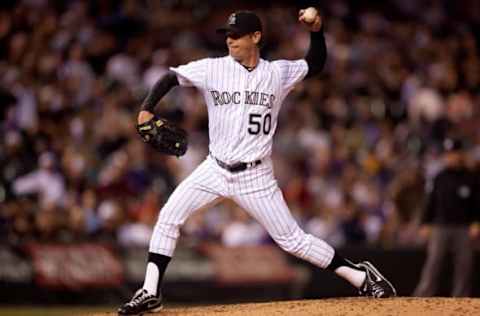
[[295, 243], [164, 239], [167, 230]]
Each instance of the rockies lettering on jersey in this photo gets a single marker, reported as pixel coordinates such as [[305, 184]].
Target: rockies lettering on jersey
[[250, 97], [242, 105]]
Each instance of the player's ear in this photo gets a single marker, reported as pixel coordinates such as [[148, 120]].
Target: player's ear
[[257, 37]]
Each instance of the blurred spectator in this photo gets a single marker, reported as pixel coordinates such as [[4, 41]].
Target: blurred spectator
[[110, 215], [407, 194], [426, 104], [72, 77], [45, 181], [143, 216]]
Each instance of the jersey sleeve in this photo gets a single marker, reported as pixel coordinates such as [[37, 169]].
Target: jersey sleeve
[[193, 74], [291, 71]]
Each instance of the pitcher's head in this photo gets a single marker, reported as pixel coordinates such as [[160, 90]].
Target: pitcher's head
[[243, 33]]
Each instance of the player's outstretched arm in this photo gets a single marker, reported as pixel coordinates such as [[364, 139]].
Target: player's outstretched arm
[[317, 52], [159, 89]]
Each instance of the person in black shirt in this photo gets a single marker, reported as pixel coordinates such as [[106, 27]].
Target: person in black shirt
[[451, 221]]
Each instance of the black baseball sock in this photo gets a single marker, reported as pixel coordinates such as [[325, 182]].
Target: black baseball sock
[[347, 270], [339, 261], [156, 266]]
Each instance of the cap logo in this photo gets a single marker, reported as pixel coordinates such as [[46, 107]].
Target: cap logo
[[232, 19]]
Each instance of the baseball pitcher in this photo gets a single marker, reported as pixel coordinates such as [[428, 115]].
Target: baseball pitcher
[[243, 94]]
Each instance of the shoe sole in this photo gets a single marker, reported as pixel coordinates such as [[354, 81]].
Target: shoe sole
[[375, 271], [157, 309]]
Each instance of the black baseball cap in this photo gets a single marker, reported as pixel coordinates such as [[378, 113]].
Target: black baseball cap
[[240, 23]]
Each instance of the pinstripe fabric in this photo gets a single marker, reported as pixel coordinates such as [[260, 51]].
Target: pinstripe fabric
[[256, 191], [198, 190], [267, 206], [233, 95]]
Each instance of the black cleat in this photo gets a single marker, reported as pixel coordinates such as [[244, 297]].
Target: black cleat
[[141, 303], [375, 284]]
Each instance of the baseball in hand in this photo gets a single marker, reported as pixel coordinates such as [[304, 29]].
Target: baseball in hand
[[310, 14]]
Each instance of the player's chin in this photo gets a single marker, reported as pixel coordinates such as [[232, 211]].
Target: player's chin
[[235, 55]]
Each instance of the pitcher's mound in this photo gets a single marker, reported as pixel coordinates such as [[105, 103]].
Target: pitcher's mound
[[401, 306]]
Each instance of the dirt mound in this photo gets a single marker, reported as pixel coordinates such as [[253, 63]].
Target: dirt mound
[[336, 307]]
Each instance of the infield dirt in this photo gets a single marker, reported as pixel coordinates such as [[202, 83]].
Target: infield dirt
[[404, 306]]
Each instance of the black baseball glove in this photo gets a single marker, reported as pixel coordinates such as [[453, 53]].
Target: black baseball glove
[[164, 136]]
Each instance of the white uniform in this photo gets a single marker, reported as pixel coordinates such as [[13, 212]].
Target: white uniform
[[243, 108]]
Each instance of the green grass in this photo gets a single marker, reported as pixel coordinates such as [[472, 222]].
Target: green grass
[[53, 311]]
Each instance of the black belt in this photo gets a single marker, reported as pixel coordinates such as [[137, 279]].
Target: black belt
[[239, 166]]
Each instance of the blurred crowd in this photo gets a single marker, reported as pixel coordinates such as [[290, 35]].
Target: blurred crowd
[[352, 152]]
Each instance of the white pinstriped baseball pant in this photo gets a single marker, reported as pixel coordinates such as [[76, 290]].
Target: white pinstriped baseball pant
[[256, 191]]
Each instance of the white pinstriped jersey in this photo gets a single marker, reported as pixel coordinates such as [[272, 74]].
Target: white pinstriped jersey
[[243, 108], [243, 105]]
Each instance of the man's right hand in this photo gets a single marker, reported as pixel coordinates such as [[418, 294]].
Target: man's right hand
[[144, 116], [313, 26]]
